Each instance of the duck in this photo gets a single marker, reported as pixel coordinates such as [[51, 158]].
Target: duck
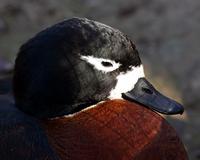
[[74, 67]]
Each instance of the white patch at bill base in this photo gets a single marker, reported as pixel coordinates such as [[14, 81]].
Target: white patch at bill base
[[126, 81]]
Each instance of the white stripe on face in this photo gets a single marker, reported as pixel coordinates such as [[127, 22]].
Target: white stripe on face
[[126, 81], [97, 63]]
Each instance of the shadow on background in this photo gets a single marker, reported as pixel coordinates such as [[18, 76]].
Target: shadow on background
[[166, 34]]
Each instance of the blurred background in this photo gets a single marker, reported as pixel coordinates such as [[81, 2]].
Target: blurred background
[[166, 33]]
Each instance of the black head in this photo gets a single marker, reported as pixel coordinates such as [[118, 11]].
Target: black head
[[72, 64]]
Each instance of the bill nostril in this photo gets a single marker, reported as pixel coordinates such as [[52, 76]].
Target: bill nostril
[[147, 90]]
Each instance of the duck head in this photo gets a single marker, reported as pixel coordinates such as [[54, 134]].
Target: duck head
[[77, 63]]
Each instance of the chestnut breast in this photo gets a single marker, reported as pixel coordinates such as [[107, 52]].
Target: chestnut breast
[[115, 129]]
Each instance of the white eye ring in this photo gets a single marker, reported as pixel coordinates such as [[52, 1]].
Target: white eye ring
[[97, 63]]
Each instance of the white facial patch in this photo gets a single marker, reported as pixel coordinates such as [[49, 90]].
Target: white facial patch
[[126, 82], [97, 63]]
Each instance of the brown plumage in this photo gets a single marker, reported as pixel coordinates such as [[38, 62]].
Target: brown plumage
[[115, 129]]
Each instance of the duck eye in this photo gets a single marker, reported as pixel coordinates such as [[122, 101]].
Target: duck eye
[[101, 64], [106, 64]]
